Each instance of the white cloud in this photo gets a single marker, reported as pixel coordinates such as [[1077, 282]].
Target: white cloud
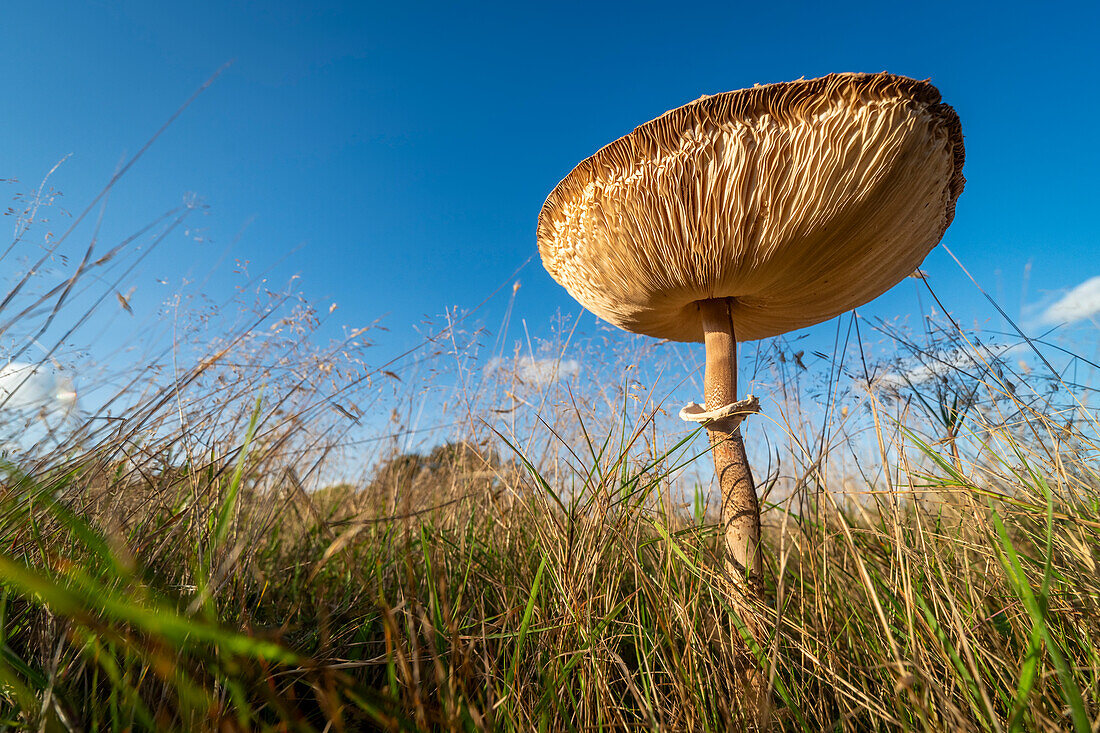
[[943, 364], [38, 408], [536, 372], [32, 386], [1080, 303]]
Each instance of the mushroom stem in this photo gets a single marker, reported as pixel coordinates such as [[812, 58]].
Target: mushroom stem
[[740, 508]]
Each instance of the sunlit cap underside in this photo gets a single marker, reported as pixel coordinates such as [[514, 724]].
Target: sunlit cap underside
[[799, 201]]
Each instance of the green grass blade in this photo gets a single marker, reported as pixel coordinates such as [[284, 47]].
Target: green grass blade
[[1015, 572], [525, 623], [225, 513]]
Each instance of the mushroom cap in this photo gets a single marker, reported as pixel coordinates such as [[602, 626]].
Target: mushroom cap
[[798, 201]]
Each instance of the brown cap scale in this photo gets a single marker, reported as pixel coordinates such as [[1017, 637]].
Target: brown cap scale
[[752, 213]]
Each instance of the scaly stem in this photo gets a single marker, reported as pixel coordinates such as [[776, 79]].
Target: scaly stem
[[740, 508]]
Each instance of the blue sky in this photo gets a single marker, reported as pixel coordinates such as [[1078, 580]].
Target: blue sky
[[396, 155]]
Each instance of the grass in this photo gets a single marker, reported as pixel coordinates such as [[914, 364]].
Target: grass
[[463, 590], [207, 551]]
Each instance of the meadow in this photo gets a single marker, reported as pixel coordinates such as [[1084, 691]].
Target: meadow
[[256, 528]]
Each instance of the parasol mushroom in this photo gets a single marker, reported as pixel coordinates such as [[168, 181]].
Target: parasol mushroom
[[749, 214]]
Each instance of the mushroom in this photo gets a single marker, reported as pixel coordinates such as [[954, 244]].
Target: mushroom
[[750, 214]]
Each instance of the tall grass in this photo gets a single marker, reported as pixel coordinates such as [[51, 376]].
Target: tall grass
[[223, 554]]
